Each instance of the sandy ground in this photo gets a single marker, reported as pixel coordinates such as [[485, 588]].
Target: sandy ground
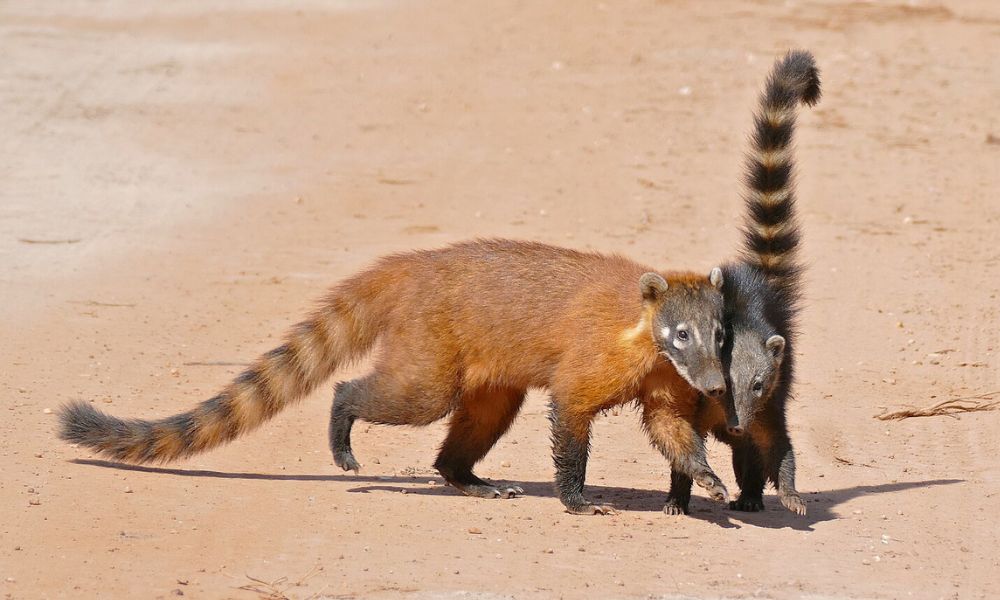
[[200, 174]]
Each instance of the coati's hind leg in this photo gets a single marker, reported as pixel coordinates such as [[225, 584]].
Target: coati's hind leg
[[388, 398], [482, 417], [346, 398]]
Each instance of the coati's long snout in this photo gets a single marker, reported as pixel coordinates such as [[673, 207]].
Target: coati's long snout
[[687, 328]]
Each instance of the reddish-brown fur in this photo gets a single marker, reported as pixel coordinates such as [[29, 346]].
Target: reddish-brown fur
[[463, 330]]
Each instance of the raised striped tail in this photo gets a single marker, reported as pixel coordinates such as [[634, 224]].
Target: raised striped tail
[[338, 332], [771, 231]]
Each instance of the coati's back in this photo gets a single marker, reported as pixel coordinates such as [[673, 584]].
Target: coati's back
[[508, 310]]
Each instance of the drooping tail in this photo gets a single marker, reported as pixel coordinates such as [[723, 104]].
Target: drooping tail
[[341, 330], [771, 231]]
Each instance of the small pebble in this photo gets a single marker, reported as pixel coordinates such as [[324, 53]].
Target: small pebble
[[34, 502], [475, 530], [38, 454], [866, 562], [549, 551], [47, 411], [10, 580], [128, 490], [504, 464]]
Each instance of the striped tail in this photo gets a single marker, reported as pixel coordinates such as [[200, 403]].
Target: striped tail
[[771, 231], [341, 330]]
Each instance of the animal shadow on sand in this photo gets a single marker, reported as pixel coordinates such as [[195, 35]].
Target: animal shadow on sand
[[821, 504]]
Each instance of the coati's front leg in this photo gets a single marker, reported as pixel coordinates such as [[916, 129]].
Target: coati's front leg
[[766, 456], [483, 416], [781, 470], [749, 470], [774, 460], [679, 496], [680, 443], [570, 449]]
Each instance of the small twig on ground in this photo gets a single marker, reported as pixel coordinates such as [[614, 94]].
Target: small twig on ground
[[34, 241], [216, 363], [268, 590], [275, 590], [948, 408], [97, 303], [852, 463]]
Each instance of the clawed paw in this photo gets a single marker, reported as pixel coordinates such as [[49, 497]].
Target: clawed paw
[[674, 507], [747, 504], [793, 502], [346, 461], [508, 492], [591, 509], [713, 485]]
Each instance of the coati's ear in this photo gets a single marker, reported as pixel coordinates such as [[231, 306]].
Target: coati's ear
[[653, 286], [776, 346], [716, 278]]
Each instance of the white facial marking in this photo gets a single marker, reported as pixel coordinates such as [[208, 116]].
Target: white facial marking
[[697, 335], [679, 344], [665, 332], [681, 370]]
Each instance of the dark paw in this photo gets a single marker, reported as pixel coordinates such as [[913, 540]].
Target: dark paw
[[747, 503], [675, 507], [346, 461]]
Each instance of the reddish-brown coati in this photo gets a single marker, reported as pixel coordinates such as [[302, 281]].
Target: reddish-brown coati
[[466, 330]]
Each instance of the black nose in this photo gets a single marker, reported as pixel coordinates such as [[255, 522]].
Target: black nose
[[735, 430], [717, 391]]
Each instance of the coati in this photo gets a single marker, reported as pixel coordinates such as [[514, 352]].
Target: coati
[[762, 301], [466, 330]]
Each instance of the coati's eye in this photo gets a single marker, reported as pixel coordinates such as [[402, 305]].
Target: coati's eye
[[682, 335], [758, 387]]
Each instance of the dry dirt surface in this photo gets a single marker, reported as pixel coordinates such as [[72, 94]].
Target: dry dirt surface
[[180, 180]]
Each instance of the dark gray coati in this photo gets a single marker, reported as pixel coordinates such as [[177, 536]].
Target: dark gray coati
[[762, 301]]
